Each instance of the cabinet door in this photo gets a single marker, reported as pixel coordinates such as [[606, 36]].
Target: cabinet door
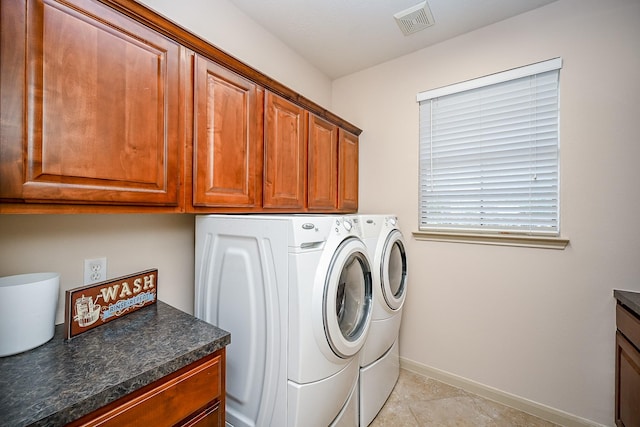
[[285, 156], [92, 106], [210, 417], [227, 148], [191, 396], [348, 172], [322, 174], [627, 411]]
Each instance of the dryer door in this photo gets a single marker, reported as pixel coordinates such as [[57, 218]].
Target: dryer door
[[393, 270], [347, 298]]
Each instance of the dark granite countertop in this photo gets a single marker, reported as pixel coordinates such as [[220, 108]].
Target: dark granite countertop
[[61, 381], [629, 299]]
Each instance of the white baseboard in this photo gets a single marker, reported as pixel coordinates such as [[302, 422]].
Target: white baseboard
[[530, 407]]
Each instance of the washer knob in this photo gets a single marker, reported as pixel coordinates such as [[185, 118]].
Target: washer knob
[[347, 225], [393, 221]]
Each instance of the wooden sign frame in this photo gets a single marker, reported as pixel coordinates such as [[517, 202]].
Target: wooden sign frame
[[90, 306]]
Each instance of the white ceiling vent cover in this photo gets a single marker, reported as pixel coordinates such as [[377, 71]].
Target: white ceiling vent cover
[[414, 19]]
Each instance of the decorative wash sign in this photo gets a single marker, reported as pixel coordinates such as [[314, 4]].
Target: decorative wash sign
[[93, 305]]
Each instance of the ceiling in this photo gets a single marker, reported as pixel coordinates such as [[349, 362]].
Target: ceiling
[[340, 37]]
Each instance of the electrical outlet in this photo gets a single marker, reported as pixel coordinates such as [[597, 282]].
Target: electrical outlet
[[95, 270]]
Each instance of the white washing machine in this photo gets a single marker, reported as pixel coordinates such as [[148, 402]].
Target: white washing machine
[[295, 292], [379, 358]]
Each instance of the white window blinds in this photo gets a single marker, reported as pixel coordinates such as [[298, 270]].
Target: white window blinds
[[489, 153]]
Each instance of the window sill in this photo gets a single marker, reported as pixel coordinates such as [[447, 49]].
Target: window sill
[[494, 239]]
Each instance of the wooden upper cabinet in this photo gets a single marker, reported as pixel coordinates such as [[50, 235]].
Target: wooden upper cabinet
[[322, 174], [227, 144], [108, 107], [348, 172], [90, 106], [285, 158]]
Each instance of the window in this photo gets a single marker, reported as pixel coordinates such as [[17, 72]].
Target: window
[[489, 154]]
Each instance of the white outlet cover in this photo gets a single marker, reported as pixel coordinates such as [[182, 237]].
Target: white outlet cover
[[95, 270]]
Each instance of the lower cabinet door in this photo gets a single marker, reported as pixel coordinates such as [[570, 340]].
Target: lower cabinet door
[[190, 396], [210, 417], [627, 383]]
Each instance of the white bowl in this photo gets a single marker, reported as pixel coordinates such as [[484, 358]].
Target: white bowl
[[28, 305]]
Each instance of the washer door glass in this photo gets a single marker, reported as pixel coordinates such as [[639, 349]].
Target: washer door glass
[[347, 298], [393, 270]]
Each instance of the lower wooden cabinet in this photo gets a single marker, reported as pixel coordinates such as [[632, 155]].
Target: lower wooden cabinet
[[627, 410], [192, 396]]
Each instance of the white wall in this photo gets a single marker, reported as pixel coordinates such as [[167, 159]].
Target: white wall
[[228, 28], [131, 243], [536, 323]]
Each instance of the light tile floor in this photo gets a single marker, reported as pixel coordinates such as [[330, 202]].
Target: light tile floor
[[418, 401]]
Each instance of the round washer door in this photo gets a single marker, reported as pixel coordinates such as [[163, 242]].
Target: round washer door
[[347, 298], [393, 270]]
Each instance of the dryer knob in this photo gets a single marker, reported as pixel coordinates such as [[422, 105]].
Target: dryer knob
[[347, 225], [393, 222]]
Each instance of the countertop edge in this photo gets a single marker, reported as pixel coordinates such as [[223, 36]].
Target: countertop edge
[[629, 299]]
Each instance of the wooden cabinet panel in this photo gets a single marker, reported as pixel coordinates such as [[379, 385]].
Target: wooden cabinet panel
[[285, 158], [12, 99], [348, 172], [627, 383], [227, 146], [192, 396], [101, 98], [210, 417], [628, 324], [322, 174], [627, 407]]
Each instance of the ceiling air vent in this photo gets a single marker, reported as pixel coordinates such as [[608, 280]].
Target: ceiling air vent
[[414, 19]]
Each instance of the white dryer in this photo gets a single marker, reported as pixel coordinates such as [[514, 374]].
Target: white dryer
[[296, 294], [379, 358]]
